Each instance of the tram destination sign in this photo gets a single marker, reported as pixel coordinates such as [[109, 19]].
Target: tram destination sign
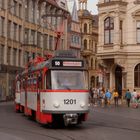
[[67, 63]]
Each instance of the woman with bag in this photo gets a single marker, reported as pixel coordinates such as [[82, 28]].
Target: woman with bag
[[115, 96]]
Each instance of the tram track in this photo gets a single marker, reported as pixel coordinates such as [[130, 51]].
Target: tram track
[[40, 134], [59, 135], [112, 126]]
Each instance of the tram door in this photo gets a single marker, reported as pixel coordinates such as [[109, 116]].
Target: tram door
[[118, 80]]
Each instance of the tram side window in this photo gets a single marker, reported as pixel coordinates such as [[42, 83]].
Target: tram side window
[[34, 83], [39, 79], [18, 86], [48, 80], [29, 83], [24, 84]]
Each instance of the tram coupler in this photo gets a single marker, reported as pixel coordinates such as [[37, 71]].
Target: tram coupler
[[70, 119]]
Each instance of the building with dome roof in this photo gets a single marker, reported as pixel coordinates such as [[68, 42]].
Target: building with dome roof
[[89, 39]]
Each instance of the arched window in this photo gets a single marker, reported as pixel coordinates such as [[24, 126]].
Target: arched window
[[137, 76], [85, 28], [85, 44], [108, 30]]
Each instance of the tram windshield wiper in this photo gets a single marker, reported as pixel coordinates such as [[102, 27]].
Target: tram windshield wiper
[[66, 87]]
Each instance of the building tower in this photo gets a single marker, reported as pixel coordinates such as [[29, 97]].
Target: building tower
[[89, 37], [82, 4]]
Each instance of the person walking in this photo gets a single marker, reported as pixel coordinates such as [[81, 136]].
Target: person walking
[[128, 97], [99, 96], [134, 96], [91, 91], [107, 97], [116, 97], [95, 97], [134, 99]]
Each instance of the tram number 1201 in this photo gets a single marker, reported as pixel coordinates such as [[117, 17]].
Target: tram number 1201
[[69, 101]]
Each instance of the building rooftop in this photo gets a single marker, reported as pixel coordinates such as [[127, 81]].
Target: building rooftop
[[73, 9]]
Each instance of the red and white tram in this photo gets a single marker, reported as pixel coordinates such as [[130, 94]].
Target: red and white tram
[[54, 89]]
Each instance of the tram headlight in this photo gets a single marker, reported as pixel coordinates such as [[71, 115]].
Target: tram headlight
[[82, 104], [56, 104]]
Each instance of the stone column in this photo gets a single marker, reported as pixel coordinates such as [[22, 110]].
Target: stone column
[[117, 30], [17, 57], [5, 32], [48, 44], [11, 56]]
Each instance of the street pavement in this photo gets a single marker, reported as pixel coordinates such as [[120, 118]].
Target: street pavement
[[104, 123]]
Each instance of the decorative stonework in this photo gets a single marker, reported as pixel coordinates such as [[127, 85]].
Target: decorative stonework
[[82, 1], [112, 3], [121, 62], [136, 14]]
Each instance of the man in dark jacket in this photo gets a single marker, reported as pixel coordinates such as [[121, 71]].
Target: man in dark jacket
[[128, 97]]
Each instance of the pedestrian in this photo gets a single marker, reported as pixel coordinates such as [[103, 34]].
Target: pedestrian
[[99, 96], [134, 95], [116, 97], [91, 95], [107, 97], [134, 99], [95, 97], [128, 97]]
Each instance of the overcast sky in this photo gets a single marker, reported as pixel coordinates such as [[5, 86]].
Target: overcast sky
[[92, 6]]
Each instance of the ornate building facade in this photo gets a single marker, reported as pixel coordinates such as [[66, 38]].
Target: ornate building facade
[[89, 39], [28, 28], [119, 44]]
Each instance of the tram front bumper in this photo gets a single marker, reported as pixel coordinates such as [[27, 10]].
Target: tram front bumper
[[70, 119]]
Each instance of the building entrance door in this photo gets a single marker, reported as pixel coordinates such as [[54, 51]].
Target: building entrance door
[[118, 80], [92, 81]]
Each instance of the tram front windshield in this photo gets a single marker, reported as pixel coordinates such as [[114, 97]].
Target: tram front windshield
[[68, 79]]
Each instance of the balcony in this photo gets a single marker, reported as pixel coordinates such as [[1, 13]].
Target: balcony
[[86, 52]]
